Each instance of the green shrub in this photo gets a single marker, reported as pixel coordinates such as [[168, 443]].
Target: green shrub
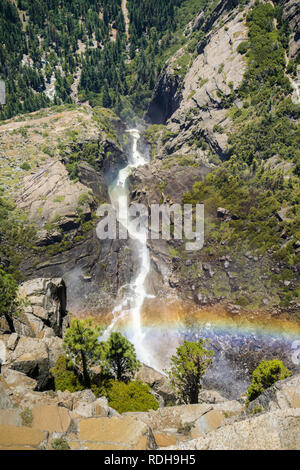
[[60, 444], [134, 396], [187, 368], [83, 198], [26, 417], [185, 428], [64, 376], [256, 410], [25, 166], [265, 375], [243, 47], [8, 289]]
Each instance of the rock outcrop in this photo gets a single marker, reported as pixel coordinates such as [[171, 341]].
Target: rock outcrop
[[80, 419], [271, 422], [159, 384], [35, 340], [44, 312], [279, 430], [282, 395]]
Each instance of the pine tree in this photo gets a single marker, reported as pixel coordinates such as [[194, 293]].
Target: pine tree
[[121, 357], [187, 369], [82, 345]]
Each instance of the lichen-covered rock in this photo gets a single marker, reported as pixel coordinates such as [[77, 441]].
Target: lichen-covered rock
[[98, 407], [208, 422], [211, 396], [11, 416], [17, 383]]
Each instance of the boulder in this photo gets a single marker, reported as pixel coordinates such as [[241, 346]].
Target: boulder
[[17, 383], [34, 357], [165, 439], [11, 416], [82, 398], [12, 341], [159, 384], [98, 407], [5, 325], [230, 408], [172, 416], [211, 396], [208, 422], [115, 433], [21, 438], [51, 418]]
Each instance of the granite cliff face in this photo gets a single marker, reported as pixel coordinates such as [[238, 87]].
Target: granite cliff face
[[193, 104]]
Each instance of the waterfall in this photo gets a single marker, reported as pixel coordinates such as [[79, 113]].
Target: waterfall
[[130, 307]]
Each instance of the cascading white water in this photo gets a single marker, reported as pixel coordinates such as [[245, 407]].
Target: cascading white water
[[132, 302]]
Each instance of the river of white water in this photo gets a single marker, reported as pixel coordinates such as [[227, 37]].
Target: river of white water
[[132, 295]]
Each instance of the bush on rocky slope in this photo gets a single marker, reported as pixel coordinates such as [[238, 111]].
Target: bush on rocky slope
[[124, 397], [265, 375]]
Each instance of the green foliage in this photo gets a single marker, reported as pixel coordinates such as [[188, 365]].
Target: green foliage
[[53, 31], [256, 410], [16, 237], [25, 166], [83, 347], [8, 289], [243, 47], [188, 367], [64, 375], [269, 125], [26, 417], [116, 358], [121, 357], [91, 153], [133, 396], [60, 444], [84, 198], [265, 375]]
